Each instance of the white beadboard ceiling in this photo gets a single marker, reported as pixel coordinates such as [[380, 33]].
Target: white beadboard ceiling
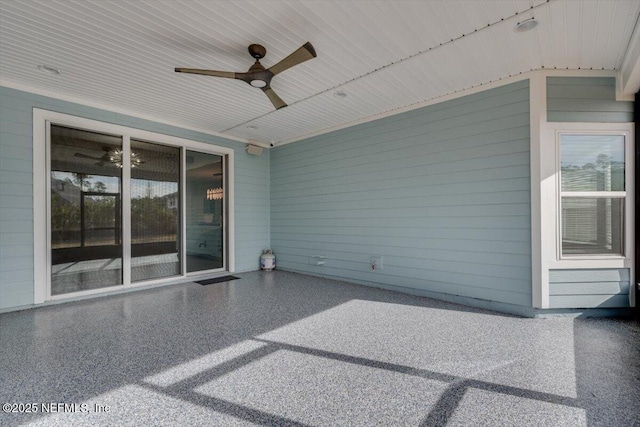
[[386, 55]]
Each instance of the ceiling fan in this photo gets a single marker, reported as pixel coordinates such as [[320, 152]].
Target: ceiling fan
[[100, 160], [259, 77], [112, 156]]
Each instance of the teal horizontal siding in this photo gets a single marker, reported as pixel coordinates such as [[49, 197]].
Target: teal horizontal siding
[[497, 247], [16, 191], [467, 235], [589, 301], [589, 275], [434, 253], [435, 265], [360, 136], [585, 99], [589, 288], [417, 280], [442, 193]]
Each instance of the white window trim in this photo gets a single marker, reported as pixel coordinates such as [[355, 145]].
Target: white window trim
[[596, 261], [41, 216], [545, 182]]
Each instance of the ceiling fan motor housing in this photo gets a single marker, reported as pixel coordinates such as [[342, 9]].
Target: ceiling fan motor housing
[[257, 51]]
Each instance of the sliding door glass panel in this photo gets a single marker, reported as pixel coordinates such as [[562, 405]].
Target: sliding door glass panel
[[205, 211], [155, 211], [86, 210]]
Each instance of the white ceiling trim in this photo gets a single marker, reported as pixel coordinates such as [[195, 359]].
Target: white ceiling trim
[[110, 108], [458, 94], [629, 81]]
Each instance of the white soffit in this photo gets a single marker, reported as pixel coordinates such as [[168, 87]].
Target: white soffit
[[386, 55]]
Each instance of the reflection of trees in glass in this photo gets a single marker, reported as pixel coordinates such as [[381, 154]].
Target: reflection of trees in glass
[[77, 178], [101, 225], [65, 222], [152, 218], [603, 175], [99, 212], [603, 162], [99, 187], [67, 212]]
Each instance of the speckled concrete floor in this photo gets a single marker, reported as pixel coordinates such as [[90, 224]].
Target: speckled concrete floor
[[282, 349]]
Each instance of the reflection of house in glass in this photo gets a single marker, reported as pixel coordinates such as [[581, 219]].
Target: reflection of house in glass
[[65, 213], [172, 200], [83, 211]]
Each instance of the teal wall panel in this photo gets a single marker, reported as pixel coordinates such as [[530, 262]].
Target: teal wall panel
[[585, 99], [16, 192], [589, 288], [442, 193]]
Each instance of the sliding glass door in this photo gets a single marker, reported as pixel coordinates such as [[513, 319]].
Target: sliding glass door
[[155, 213], [204, 211], [124, 211], [86, 211]]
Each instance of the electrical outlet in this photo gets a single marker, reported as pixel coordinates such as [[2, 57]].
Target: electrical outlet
[[317, 260], [376, 263]]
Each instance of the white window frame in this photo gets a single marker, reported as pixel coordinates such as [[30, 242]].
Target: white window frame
[[42, 120], [628, 176], [552, 201]]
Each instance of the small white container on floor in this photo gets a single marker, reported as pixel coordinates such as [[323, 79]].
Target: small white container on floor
[[267, 260]]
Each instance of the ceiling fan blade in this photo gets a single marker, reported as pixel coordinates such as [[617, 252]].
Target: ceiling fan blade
[[84, 156], [304, 53], [274, 98], [226, 74]]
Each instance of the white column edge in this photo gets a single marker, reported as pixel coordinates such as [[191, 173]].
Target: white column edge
[[39, 211], [538, 115]]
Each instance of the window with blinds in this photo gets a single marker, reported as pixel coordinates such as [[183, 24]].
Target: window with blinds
[[592, 194]]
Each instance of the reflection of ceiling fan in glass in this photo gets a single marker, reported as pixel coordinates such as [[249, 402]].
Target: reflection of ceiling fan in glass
[[112, 156]]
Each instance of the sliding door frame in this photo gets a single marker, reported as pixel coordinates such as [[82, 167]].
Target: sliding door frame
[[42, 121]]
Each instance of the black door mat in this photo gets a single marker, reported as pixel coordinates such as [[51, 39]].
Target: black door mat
[[216, 280]]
